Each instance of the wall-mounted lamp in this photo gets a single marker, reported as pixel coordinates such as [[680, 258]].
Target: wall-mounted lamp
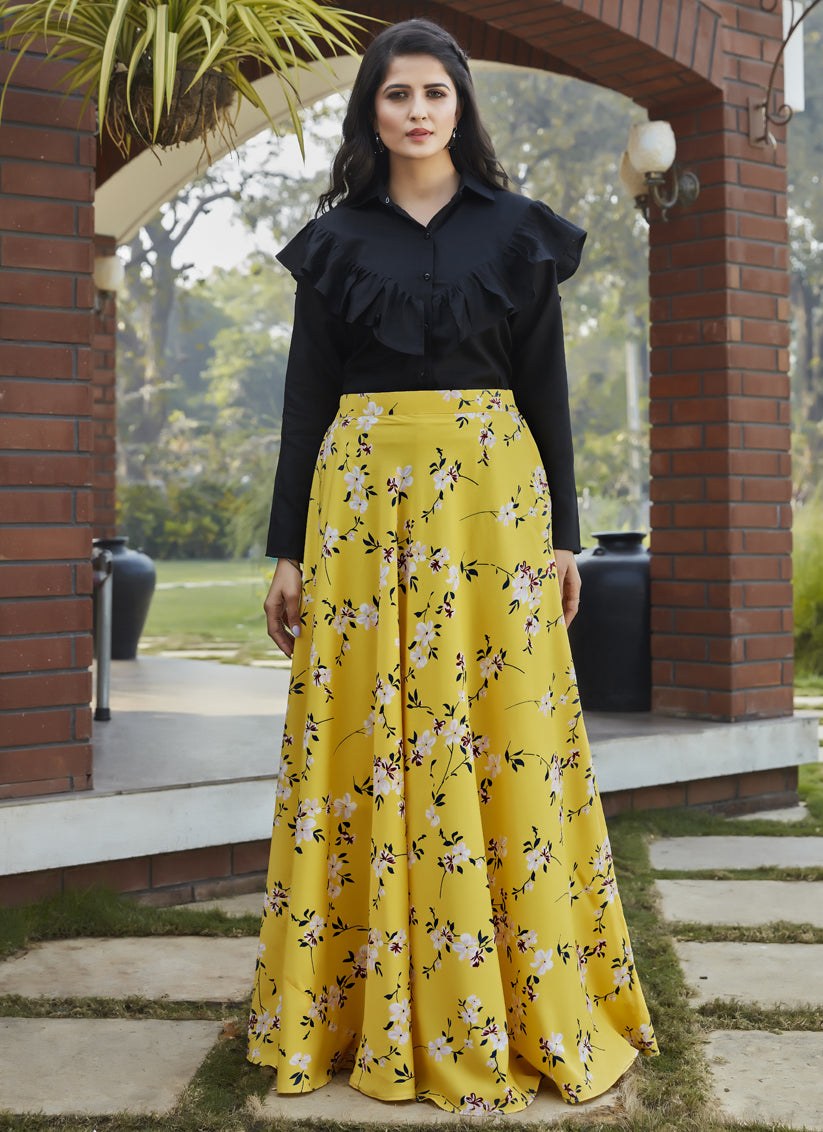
[[109, 276], [644, 165]]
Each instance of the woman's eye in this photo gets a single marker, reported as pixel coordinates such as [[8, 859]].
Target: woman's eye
[[436, 94], [396, 95]]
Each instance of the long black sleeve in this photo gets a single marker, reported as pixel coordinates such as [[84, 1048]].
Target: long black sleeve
[[312, 394], [540, 388]]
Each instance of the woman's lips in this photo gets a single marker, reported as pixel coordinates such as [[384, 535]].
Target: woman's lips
[[418, 133]]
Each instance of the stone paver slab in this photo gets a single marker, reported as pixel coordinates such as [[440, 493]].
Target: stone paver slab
[[787, 815], [337, 1098], [184, 967], [761, 973], [765, 1078], [736, 852], [94, 1066], [748, 902], [245, 904]]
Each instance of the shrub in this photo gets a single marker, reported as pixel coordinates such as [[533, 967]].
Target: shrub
[[808, 586]]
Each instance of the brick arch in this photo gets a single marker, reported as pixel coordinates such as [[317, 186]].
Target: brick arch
[[653, 51]]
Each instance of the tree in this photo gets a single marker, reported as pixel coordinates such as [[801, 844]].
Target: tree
[[805, 141]]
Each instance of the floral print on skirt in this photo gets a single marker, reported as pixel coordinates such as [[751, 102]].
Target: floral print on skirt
[[442, 911]]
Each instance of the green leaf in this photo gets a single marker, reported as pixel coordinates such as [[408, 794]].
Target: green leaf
[[110, 51], [159, 64]]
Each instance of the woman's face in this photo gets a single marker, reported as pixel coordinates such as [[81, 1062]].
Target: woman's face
[[416, 107]]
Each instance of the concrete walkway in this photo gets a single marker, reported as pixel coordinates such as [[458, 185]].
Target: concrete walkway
[[765, 1077]]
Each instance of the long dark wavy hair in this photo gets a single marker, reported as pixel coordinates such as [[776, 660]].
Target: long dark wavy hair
[[357, 167]]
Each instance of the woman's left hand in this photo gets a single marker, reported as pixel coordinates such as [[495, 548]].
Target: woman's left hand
[[569, 578]]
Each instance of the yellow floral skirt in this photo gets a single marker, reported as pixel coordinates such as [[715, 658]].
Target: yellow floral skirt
[[441, 911]]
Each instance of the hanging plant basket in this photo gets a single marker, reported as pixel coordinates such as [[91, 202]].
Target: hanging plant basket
[[156, 48], [196, 110]]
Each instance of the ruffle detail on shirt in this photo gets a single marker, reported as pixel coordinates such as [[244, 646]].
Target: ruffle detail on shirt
[[353, 292], [484, 297], [495, 291]]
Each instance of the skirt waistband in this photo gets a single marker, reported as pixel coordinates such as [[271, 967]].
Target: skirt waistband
[[429, 402]]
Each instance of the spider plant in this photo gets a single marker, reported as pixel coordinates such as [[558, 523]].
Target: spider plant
[[171, 46]]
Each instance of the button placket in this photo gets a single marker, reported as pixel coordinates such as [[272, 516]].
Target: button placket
[[425, 375]]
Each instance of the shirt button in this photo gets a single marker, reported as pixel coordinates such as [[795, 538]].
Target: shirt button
[[427, 276], [422, 373], [388, 200], [425, 326], [427, 235]]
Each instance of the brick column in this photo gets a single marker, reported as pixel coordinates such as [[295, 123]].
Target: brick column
[[104, 370], [720, 437], [46, 295]]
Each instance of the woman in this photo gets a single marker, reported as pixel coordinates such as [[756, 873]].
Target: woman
[[441, 909]]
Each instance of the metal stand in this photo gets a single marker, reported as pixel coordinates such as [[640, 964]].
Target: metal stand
[[102, 637]]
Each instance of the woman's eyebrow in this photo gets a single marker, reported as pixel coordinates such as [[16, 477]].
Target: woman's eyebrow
[[406, 86]]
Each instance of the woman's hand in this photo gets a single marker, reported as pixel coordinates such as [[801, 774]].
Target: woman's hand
[[282, 604], [569, 578]]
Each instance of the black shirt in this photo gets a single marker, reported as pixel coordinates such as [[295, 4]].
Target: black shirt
[[468, 301]]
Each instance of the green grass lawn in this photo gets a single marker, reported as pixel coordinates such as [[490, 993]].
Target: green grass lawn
[[181, 618]]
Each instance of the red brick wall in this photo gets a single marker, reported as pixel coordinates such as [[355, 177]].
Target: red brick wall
[[104, 372], [46, 225], [720, 436]]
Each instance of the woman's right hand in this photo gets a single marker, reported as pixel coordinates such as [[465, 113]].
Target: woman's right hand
[[282, 604]]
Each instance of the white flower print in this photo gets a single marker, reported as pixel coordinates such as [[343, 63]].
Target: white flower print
[[311, 935], [454, 577], [496, 1036], [439, 561], [467, 947], [344, 807], [367, 615], [545, 705], [454, 731], [439, 1048], [432, 815], [425, 633], [335, 867], [330, 537], [354, 480], [384, 860], [301, 1060], [303, 828], [401, 479], [506, 514], [440, 937], [494, 765], [384, 691], [491, 665], [469, 1011], [542, 961], [369, 415], [418, 658], [621, 976], [584, 1049]]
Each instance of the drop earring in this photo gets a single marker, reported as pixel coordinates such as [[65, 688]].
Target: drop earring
[[378, 144], [454, 138]]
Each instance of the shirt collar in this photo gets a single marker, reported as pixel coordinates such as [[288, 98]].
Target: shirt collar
[[467, 181]]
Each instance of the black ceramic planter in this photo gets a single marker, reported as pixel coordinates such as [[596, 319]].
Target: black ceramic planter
[[133, 578], [611, 634]]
